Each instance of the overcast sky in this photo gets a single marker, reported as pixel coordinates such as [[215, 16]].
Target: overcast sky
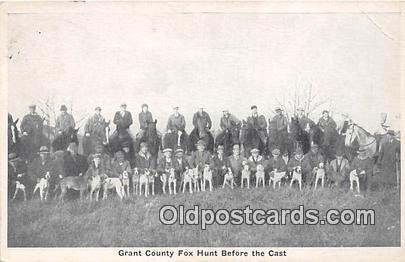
[[214, 60]]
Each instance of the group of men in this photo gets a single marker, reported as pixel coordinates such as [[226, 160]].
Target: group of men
[[71, 163]]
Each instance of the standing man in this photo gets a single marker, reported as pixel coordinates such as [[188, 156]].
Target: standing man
[[312, 159], [95, 126], [235, 163], [64, 121], [220, 163], [259, 123], [31, 128], [201, 157], [229, 122], [389, 160], [281, 123], [120, 165], [202, 119], [123, 119], [143, 159], [338, 169], [180, 164], [364, 168], [145, 117]]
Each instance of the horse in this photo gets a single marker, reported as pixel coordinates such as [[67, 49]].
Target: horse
[[200, 132], [89, 142], [152, 138], [249, 138], [13, 136], [173, 140], [62, 141], [365, 140], [300, 138], [227, 139], [118, 139]]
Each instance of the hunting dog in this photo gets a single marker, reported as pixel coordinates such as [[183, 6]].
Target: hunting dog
[[168, 178], [260, 175], [147, 179], [188, 179], [229, 178], [135, 181], [245, 175], [196, 179], [78, 183], [125, 182], [207, 177], [43, 186], [95, 184], [276, 177], [319, 173], [354, 177], [19, 186], [296, 176], [113, 183]]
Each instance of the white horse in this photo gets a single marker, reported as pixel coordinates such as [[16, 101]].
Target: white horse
[[366, 141]]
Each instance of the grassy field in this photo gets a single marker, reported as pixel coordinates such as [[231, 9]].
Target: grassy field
[[135, 221]]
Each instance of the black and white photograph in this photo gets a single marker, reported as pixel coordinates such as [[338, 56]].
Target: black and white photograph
[[164, 129]]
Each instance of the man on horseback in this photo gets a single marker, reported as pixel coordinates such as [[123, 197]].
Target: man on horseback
[[304, 121], [122, 119], [328, 127], [145, 117], [202, 120], [230, 125], [95, 126], [64, 121], [31, 128], [176, 126], [259, 123], [281, 123]]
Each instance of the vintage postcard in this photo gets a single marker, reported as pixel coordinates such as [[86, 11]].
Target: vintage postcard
[[201, 130]]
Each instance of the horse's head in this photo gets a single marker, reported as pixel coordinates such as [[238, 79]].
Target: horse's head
[[351, 135]]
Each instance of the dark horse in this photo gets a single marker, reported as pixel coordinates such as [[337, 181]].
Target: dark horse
[[62, 141], [201, 133], [151, 137], [90, 142], [118, 139], [172, 140], [300, 138], [249, 137], [228, 138]]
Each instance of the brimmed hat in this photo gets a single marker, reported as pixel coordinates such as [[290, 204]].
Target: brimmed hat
[[175, 107], [32, 106], [253, 150], [123, 104], [144, 105], [300, 109], [94, 156], [275, 151], [97, 108], [220, 147], [253, 107], [277, 109], [200, 143], [143, 144], [43, 149], [13, 157], [63, 108], [236, 146], [339, 152], [119, 153], [167, 150], [225, 110], [325, 111]]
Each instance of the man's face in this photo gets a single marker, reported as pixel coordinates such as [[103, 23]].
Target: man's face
[[279, 112], [225, 113], [236, 151], [43, 156], [145, 109], [275, 156], [325, 115], [96, 161], [144, 149], [32, 110], [339, 158], [125, 149], [254, 111], [314, 150], [98, 112], [168, 154], [179, 154], [200, 148], [176, 111], [200, 110], [99, 150], [220, 151], [123, 108], [63, 112], [255, 154]]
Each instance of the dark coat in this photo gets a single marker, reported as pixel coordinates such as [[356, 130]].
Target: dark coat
[[143, 162], [230, 122], [280, 123], [64, 122], [75, 164], [95, 126], [164, 165], [204, 118], [32, 124], [144, 118], [118, 167], [277, 163], [37, 169], [200, 159], [123, 122], [175, 124]]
